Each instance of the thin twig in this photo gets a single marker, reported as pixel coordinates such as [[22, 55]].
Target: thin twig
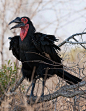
[[17, 84]]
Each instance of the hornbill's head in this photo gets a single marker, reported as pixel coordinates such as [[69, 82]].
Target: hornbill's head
[[25, 24], [22, 21]]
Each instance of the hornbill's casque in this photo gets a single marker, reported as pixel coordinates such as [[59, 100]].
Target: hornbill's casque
[[37, 49]]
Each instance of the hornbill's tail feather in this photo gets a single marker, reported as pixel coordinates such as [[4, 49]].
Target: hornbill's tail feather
[[71, 79]]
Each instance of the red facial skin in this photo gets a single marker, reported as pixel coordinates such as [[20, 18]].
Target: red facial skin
[[24, 29]]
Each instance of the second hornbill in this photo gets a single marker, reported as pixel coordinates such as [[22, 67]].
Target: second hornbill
[[37, 49]]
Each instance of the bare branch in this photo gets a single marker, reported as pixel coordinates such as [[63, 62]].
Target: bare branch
[[75, 42], [72, 37], [63, 91]]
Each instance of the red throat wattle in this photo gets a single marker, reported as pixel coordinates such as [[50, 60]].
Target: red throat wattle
[[24, 31]]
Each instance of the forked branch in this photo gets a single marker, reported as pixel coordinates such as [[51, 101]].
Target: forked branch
[[72, 37]]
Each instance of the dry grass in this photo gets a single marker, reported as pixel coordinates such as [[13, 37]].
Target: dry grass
[[18, 102]]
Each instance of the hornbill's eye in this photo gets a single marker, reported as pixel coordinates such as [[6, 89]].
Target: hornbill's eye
[[24, 20]]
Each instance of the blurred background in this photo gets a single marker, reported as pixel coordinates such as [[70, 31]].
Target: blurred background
[[61, 18]]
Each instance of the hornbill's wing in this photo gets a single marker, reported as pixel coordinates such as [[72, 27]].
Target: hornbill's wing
[[45, 44], [14, 46]]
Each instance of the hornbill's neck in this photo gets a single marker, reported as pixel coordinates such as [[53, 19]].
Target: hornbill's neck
[[27, 31], [24, 31]]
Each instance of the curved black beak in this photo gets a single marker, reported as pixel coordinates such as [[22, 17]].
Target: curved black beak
[[17, 20]]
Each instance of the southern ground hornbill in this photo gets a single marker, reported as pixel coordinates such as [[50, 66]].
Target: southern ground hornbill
[[37, 50]]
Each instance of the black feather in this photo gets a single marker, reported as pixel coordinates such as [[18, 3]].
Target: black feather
[[14, 46]]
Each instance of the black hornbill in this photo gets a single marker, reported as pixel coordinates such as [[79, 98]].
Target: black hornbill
[[37, 49]]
